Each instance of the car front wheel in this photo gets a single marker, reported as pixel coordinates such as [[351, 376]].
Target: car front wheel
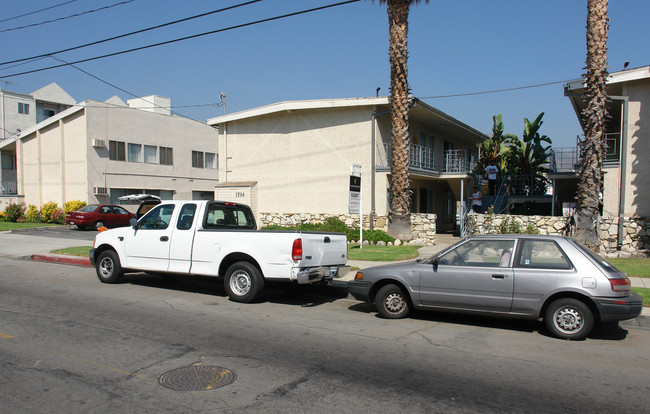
[[391, 302], [243, 282], [569, 319], [108, 267]]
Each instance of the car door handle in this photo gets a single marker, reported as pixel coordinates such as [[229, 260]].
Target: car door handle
[[498, 276], [164, 238]]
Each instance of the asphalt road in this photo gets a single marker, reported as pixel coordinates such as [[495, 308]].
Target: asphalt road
[[71, 344]]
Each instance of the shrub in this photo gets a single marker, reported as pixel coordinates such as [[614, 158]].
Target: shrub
[[2, 216], [73, 205], [335, 225], [14, 212], [52, 213], [33, 215]]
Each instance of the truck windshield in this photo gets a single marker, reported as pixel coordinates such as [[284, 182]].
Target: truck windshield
[[222, 216]]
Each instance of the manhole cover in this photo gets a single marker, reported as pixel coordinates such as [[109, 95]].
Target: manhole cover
[[197, 378]]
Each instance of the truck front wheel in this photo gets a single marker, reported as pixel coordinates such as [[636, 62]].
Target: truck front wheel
[[108, 267], [243, 282]]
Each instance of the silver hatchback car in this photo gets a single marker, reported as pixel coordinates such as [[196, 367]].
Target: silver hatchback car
[[515, 276]]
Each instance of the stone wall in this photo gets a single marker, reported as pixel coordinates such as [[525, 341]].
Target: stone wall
[[636, 239], [423, 225]]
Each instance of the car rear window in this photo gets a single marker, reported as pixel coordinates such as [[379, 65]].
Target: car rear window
[[227, 216], [604, 263]]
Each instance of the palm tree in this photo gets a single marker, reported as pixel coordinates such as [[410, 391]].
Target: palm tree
[[590, 177], [399, 223]]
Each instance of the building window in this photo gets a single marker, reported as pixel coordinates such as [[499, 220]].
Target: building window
[[197, 159], [166, 156], [8, 162], [150, 154], [135, 152], [202, 159], [23, 108], [210, 160], [116, 151], [42, 114]]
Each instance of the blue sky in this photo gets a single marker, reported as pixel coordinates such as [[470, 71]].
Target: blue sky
[[455, 47]]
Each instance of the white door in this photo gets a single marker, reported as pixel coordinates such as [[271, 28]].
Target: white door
[[148, 245]]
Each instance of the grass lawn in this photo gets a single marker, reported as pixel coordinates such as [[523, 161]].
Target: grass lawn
[[633, 266], [382, 253], [7, 225], [644, 293], [73, 251]]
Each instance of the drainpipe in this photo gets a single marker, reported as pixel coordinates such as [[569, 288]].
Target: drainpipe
[[622, 167], [373, 166]]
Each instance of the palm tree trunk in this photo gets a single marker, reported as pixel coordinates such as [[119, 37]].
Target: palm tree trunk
[[590, 183], [399, 224]]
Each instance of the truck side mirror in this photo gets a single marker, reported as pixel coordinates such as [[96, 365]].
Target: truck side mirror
[[133, 222]]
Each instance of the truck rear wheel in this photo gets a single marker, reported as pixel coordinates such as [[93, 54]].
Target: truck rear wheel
[[243, 282]]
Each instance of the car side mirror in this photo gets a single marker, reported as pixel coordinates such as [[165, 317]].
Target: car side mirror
[[434, 261]]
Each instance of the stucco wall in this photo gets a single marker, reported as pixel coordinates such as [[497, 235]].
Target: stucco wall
[[59, 163], [148, 128], [301, 161], [637, 194]]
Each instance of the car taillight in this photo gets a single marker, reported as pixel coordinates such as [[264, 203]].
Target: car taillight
[[620, 285], [296, 250]]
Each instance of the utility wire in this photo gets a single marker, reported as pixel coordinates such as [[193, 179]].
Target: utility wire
[[495, 91], [67, 17], [188, 37], [132, 33], [37, 11], [116, 87]]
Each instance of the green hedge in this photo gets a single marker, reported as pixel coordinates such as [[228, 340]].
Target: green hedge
[[335, 225]]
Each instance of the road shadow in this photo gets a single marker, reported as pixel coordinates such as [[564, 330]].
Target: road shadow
[[274, 292], [601, 331]]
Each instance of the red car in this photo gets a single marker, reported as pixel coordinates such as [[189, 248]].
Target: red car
[[99, 215]]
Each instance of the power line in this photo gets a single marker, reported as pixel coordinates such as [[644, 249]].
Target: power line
[[131, 33], [118, 88], [66, 17], [495, 90], [37, 11], [188, 37]]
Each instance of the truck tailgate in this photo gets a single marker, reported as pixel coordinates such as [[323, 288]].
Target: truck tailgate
[[323, 249]]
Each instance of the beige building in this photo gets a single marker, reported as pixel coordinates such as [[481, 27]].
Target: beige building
[[99, 151], [297, 157], [626, 164]]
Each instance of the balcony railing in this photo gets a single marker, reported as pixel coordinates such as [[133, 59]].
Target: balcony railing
[[568, 159], [9, 188], [426, 159]]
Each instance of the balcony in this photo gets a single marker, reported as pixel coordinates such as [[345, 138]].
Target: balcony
[[567, 159], [424, 159]]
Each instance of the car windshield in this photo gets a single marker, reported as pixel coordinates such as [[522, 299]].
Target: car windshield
[[89, 208]]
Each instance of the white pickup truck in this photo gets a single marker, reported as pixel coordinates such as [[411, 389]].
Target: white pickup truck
[[214, 238]]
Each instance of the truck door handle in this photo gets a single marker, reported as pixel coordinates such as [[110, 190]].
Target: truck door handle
[[498, 276], [327, 239], [164, 238]]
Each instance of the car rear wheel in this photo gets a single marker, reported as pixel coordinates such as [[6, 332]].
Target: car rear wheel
[[391, 302], [569, 319], [243, 282], [108, 267]]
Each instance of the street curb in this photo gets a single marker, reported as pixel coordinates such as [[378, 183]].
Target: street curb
[[640, 322], [61, 259]]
